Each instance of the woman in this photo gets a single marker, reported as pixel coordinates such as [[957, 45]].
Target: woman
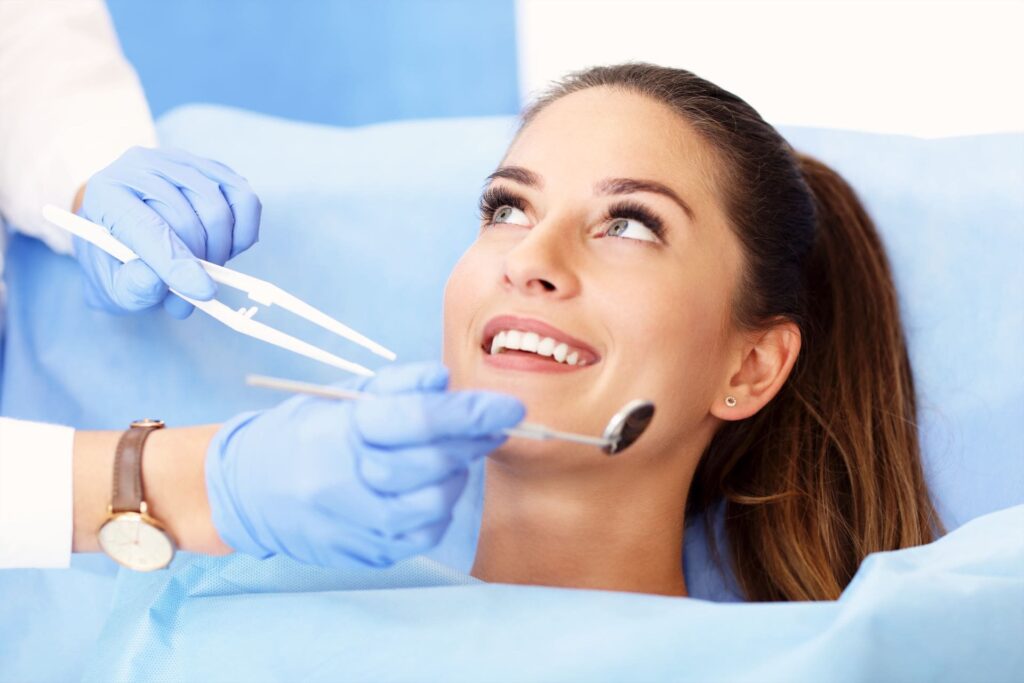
[[647, 235], [675, 247]]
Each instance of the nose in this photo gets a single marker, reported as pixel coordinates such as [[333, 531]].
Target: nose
[[541, 263]]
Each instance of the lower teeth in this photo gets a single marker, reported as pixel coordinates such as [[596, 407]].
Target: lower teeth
[[537, 355]]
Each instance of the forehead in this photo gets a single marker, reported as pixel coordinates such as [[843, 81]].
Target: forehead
[[607, 132]]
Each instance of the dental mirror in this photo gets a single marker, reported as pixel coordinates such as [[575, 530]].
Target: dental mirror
[[622, 430], [627, 425]]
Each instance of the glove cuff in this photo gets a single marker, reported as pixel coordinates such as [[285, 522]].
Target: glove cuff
[[221, 480]]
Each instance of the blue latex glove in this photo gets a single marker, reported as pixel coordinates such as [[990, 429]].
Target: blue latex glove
[[366, 482], [169, 207]]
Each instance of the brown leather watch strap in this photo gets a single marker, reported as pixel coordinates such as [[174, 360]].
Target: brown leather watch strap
[[127, 495]]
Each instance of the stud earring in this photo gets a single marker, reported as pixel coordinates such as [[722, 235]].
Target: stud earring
[[730, 401]]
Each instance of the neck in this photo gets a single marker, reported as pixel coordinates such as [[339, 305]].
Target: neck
[[605, 530]]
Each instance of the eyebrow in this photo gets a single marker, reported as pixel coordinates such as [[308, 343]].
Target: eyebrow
[[608, 186], [611, 186], [518, 174]]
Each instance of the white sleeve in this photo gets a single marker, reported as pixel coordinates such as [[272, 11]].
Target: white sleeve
[[71, 104], [36, 497]]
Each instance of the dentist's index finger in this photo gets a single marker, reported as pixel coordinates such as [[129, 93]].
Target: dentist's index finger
[[409, 377], [423, 418]]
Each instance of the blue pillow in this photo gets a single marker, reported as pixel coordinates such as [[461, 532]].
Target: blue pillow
[[365, 223]]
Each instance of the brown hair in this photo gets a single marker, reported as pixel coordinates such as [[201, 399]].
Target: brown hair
[[830, 470]]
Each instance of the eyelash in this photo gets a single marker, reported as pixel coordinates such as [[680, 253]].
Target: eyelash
[[637, 212], [494, 198]]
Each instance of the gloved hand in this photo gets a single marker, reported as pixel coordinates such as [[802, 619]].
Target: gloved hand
[[343, 483], [169, 207]]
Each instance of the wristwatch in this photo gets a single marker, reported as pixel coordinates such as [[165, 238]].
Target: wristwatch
[[129, 535]]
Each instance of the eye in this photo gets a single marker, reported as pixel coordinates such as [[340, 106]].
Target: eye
[[631, 228], [501, 205], [634, 221], [510, 215]]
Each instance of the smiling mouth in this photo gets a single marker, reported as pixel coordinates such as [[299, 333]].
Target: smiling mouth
[[507, 337]]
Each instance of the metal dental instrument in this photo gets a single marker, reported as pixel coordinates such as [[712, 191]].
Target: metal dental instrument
[[622, 430], [241, 321]]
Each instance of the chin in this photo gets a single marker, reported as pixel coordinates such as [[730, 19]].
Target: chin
[[548, 399], [546, 458]]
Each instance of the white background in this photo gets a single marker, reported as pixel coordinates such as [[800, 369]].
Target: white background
[[921, 68]]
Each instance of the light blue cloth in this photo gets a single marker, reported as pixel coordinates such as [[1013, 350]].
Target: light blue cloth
[[384, 212], [342, 62], [949, 611]]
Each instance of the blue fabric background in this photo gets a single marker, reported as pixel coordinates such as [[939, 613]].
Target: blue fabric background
[[343, 62]]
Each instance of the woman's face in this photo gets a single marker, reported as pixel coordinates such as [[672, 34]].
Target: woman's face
[[602, 243]]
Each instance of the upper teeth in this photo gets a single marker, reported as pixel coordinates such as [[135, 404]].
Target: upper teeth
[[514, 340]]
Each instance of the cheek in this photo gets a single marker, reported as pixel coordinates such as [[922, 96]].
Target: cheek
[[462, 296], [676, 335]]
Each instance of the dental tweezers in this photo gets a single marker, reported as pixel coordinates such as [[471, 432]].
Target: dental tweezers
[[260, 291]]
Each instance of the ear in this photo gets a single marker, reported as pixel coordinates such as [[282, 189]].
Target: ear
[[762, 365]]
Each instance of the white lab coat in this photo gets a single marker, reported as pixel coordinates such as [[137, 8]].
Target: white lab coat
[[69, 105]]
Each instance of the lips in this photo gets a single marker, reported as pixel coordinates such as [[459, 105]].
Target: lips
[[530, 344]]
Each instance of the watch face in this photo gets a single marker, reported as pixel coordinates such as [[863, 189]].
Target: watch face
[[135, 543]]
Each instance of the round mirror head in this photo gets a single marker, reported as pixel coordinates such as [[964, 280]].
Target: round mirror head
[[627, 425]]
